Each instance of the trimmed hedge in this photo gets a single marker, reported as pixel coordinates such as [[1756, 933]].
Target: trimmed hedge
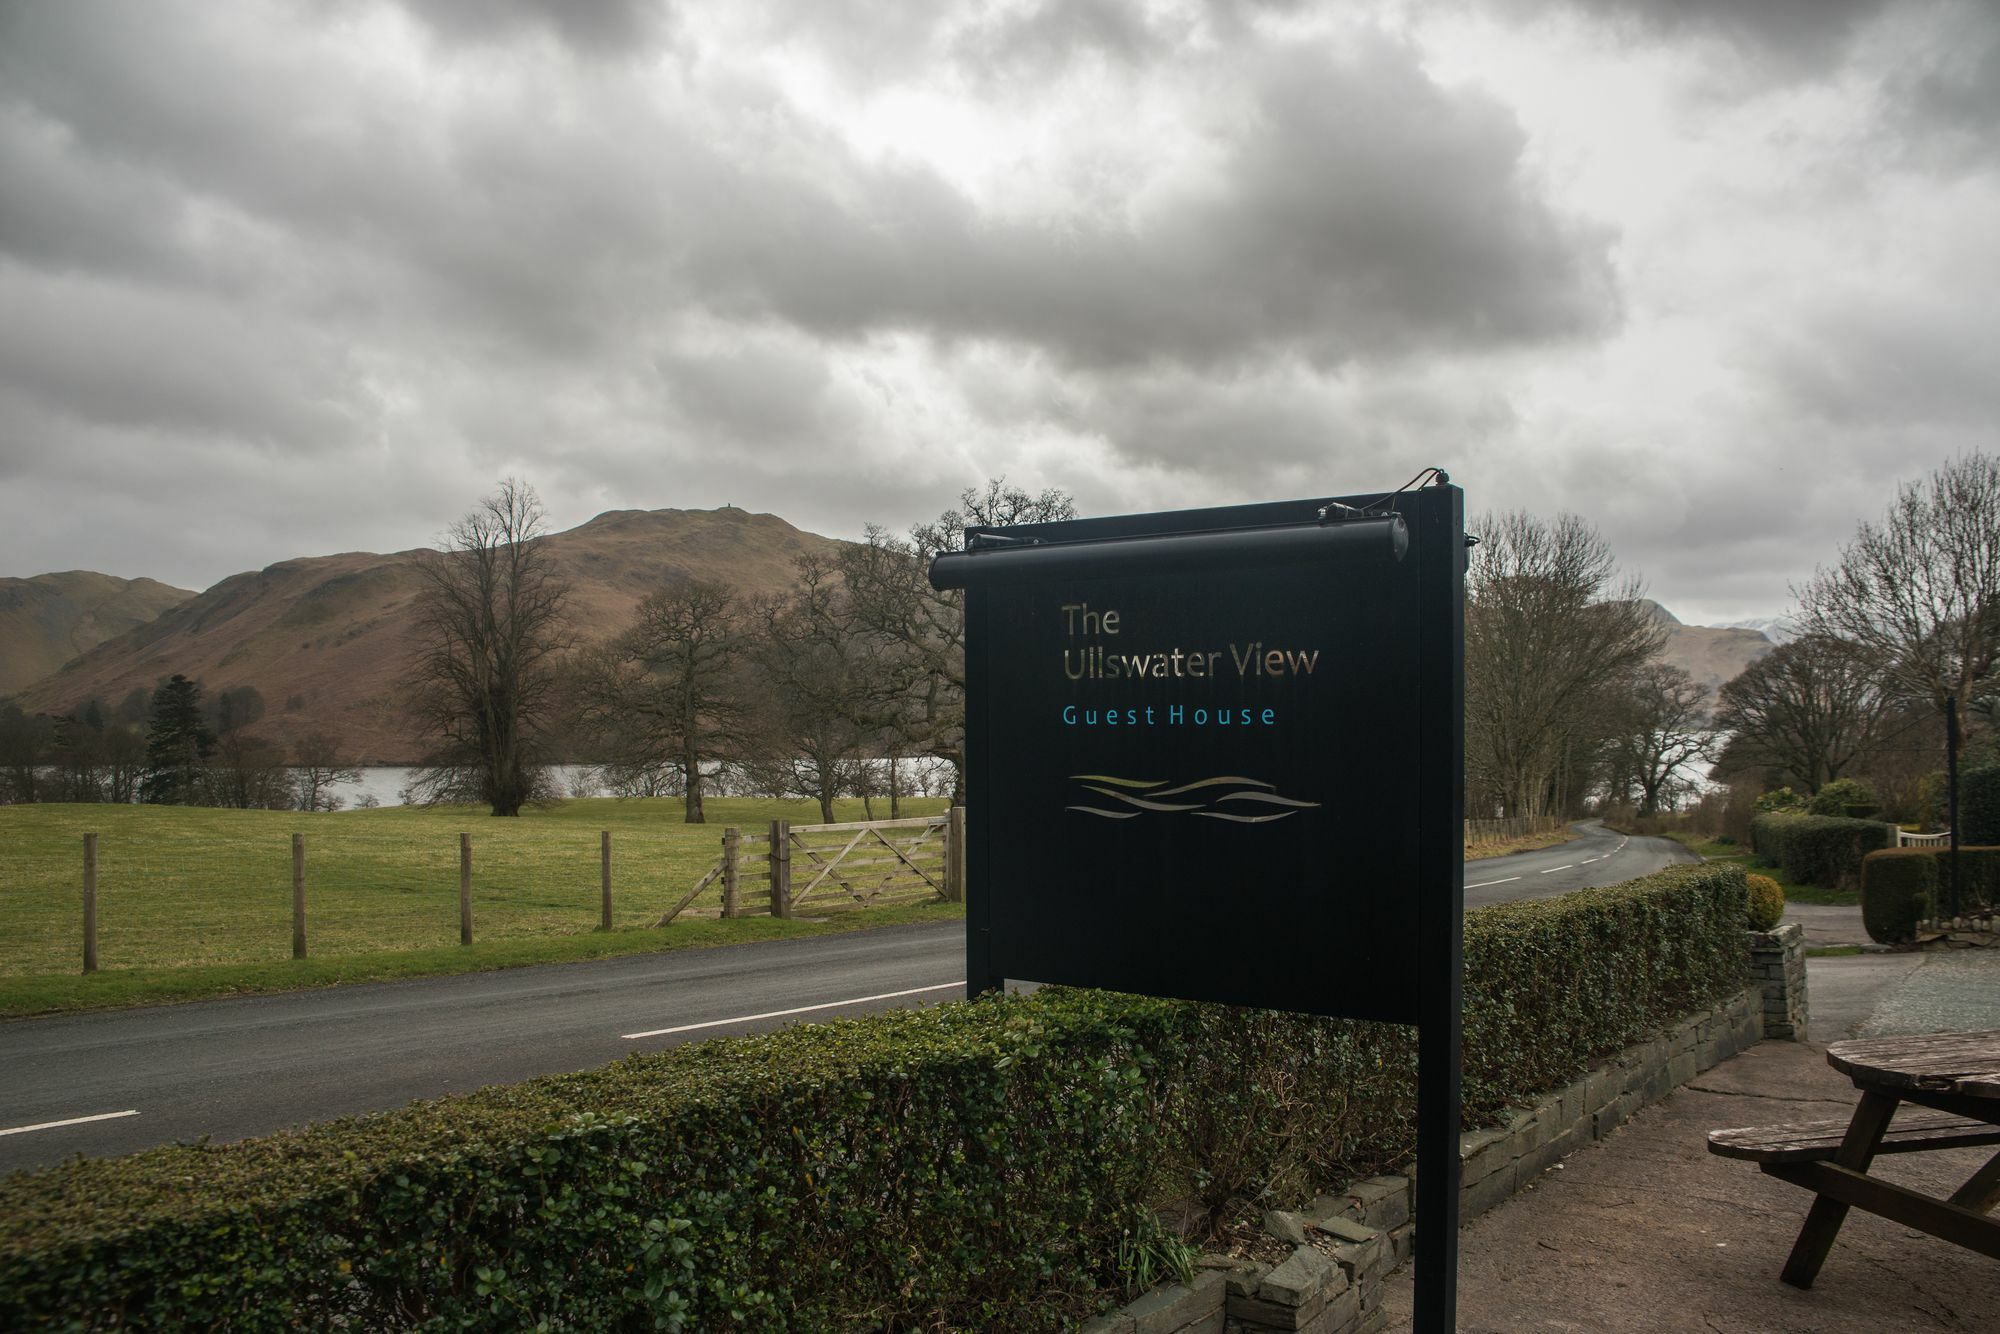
[[1818, 849], [1979, 805], [965, 1166], [1900, 886], [1897, 888]]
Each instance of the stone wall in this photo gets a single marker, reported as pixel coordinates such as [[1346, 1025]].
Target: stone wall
[[1344, 1244], [1778, 967]]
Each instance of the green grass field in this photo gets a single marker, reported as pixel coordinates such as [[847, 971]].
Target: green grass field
[[185, 890]]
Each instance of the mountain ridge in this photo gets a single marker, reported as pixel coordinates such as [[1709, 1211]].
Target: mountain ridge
[[325, 640], [46, 620], [1711, 654]]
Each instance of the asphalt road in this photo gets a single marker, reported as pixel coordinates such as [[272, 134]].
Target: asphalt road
[[1596, 857], [227, 1069]]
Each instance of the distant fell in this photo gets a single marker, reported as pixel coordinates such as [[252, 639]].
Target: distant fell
[[1712, 655], [51, 618], [327, 640], [1777, 629]]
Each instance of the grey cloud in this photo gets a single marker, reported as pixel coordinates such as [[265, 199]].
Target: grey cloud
[[327, 302], [1054, 35], [1945, 102], [598, 28], [127, 358], [1367, 213], [1793, 36], [1891, 364]]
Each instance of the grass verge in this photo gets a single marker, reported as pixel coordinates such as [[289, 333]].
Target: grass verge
[[1709, 849], [1502, 847], [116, 988], [1832, 951]]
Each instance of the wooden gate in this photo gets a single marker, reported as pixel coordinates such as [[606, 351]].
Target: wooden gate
[[833, 867]]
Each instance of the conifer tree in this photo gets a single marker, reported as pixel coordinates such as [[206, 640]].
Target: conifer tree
[[178, 745]]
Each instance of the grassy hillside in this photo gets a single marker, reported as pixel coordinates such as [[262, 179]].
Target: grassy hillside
[[49, 619], [191, 889]]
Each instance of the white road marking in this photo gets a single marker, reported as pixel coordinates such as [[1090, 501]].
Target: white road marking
[[1553, 869], [72, 1121], [1588, 860], [1484, 883], [800, 1009]]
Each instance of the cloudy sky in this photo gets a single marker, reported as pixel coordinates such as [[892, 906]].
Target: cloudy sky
[[290, 278]]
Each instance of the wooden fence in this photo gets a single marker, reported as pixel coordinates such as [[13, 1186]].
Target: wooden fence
[[823, 867], [820, 868], [1519, 826]]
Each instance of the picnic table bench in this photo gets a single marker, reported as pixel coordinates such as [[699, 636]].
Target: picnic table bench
[[1948, 1085]]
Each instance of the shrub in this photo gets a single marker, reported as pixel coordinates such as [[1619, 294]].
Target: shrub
[[1767, 902], [1843, 796], [962, 1166], [1780, 799], [1979, 805], [1933, 806], [1818, 849]]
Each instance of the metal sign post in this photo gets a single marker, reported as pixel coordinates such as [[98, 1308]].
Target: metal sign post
[[1219, 755]]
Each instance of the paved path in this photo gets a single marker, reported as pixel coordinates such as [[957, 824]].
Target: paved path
[[1828, 923], [233, 1068], [1647, 1231]]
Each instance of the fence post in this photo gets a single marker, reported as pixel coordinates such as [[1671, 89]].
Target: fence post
[[729, 837], [465, 889], [954, 856], [604, 858], [90, 903], [298, 896], [781, 868]]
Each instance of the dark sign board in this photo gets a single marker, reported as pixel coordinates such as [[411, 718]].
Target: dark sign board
[[1218, 755]]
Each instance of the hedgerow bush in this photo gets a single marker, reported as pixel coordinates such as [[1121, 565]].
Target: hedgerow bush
[[1818, 849], [1843, 796], [967, 1166]]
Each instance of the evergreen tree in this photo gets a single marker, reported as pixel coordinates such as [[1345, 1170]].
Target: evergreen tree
[[178, 745]]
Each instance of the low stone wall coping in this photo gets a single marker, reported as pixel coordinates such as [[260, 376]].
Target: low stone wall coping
[[1368, 1224]]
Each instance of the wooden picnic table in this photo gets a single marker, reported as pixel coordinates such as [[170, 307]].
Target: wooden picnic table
[[1949, 1087]]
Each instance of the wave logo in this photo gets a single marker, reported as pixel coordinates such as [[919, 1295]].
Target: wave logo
[[1233, 798]]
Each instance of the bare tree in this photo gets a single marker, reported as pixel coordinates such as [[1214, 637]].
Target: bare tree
[[317, 769], [1919, 595], [919, 634], [124, 762], [249, 773], [1667, 731], [1550, 627], [668, 689], [816, 709], [1809, 709], [486, 679]]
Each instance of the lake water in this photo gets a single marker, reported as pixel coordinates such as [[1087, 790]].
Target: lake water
[[386, 785]]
